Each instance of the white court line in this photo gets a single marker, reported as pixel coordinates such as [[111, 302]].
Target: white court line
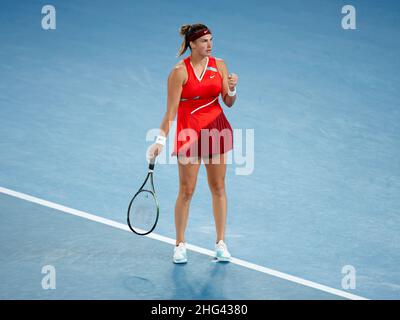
[[194, 248]]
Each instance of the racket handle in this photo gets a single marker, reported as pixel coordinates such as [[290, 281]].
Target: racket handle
[[152, 164]]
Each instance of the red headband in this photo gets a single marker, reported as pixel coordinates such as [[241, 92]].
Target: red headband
[[198, 34]]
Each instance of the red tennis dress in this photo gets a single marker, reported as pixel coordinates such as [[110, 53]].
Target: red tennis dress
[[202, 128]]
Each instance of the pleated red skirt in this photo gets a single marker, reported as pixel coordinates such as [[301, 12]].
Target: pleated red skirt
[[215, 138]]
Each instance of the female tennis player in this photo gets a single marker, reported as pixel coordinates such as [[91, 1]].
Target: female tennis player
[[202, 130]]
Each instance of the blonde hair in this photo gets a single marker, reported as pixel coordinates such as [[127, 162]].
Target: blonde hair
[[185, 31]]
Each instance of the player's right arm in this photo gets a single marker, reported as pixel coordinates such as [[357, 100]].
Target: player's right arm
[[176, 79]]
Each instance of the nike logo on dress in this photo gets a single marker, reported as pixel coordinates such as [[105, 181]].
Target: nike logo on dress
[[212, 76]]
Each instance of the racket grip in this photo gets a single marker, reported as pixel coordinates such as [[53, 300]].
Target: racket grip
[[152, 164]]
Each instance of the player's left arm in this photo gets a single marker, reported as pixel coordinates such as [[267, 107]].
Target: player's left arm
[[228, 81]]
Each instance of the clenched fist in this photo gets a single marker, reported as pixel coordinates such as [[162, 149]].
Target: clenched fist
[[232, 81]]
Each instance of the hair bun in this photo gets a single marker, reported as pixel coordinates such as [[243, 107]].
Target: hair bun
[[184, 29]]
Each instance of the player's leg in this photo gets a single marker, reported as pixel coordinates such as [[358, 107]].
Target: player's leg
[[188, 171], [216, 171]]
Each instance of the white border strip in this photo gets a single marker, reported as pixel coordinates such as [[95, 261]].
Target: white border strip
[[203, 106], [194, 248]]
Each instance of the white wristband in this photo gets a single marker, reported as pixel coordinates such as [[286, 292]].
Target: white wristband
[[161, 140], [231, 93]]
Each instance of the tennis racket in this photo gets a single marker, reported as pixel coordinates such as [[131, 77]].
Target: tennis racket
[[143, 209]]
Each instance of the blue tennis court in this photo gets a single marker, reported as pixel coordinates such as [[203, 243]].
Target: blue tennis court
[[315, 193]]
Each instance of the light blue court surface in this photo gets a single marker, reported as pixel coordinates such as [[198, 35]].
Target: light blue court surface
[[77, 103], [93, 261]]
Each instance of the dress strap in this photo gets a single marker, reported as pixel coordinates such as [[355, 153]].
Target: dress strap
[[187, 64]]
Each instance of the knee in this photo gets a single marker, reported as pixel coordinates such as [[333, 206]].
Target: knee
[[186, 192], [218, 189]]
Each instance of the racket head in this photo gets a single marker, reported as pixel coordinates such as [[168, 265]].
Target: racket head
[[143, 212]]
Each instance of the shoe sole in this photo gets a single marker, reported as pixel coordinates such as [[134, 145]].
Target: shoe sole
[[223, 259], [180, 261]]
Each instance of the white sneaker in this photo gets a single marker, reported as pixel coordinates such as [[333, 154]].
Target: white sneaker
[[221, 251], [180, 253]]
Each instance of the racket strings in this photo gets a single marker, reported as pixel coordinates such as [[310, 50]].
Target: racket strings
[[144, 212]]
